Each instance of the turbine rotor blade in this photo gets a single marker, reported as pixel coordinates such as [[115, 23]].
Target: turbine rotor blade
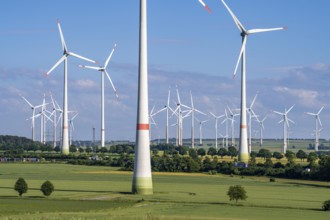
[[289, 110], [109, 58], [81, 57], [113, 86], [90, 67], [240, 55], [318, 118], [237, 22], [27, 102], [279, 113], [253, 101], [253, 31], [205, 6], [64, 48], [320, 110], [168, 97], [56, 64]]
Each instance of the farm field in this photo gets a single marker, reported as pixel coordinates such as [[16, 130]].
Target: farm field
[[86, 192]]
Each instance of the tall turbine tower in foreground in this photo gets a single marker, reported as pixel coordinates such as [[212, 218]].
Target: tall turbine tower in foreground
[[142, 179], [317, 130], [243, 145]]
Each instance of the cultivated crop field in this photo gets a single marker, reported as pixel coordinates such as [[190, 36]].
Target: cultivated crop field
[[85, 192]]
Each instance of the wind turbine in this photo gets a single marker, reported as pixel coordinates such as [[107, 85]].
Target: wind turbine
[[64, 58], [103, 71], [179, 113], [142, 179], [216, 128], [251, 114], [317, 122], [33, 107], [261, 124], [243, 146], [226, 120], [152, 121], [223, 139], [72, 126], [192, 112], [200, 130], [167, 108], [285, 121], [232, 119]]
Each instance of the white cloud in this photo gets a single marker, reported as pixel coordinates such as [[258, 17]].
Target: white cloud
[[304, 97]]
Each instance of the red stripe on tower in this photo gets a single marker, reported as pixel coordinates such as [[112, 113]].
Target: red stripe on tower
[[142, 127]]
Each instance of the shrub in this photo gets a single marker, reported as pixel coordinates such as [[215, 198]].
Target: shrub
[[21, 186], [272, 179], [326, 205], [47, 188]]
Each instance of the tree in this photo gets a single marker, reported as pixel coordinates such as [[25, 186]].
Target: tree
[[73, 148], [278, 155], [47, 188], [265, 153], [193, 153], [222, 152], [21, 186], [182, 150], [81, 150], [301, 155], [312, 157], [201, 152], [89, 149], [326, 205], [290, 156], [212, 151], [104, 150], [232, 151], [236, 193]]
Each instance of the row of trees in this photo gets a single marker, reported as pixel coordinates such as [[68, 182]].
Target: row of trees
[[22, 187]]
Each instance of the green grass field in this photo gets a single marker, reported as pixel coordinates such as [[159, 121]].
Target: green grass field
[[83, 192]]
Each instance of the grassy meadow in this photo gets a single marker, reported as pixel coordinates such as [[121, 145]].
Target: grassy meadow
[[85, 192]]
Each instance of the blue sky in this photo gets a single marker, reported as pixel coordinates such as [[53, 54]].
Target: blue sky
[[187, 47]]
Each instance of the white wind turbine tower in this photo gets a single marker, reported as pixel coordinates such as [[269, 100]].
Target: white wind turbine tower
[[243, 146], [226, 120], [178, 112], [192, 112], [167, 108], [261, 125], [200, 130], [251, 114], [33, 107], [72, 126], [54, 120], [223, 139], [216, 128], [232, 119], [103, 71], [142, 179], [64, 58], [317, 130], [285, 121], [43, 122]]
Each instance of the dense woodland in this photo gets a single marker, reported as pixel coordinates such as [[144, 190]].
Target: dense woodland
[[178, 159]]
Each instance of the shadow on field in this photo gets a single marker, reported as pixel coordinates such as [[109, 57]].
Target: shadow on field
[[308, 184]]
